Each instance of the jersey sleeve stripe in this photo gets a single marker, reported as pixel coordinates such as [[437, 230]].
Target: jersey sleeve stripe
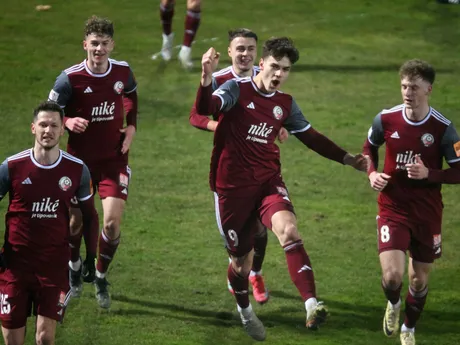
[[71, 158], [75, 68], [454, 160], [391, 110], [222, 102], [19, 155], [372, 143], [222, 71], [438, 116], [134, 89], [85, 198], [301, 130], [121, 63]]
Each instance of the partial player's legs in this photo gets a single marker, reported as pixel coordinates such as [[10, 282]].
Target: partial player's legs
[[108, 244], [192, 22], [166, 16], [415, 300], [392, 263], [46, 331], [77, 269], [14, 336], [284, 226], [259, 290], [238, 272], [235, 219], [75, 263], [394, 238]]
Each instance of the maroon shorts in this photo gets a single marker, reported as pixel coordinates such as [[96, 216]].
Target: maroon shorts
[[110, 179], [23, 293], [422, 240], [238, 218]]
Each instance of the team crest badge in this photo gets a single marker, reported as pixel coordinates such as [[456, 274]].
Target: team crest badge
[[277, 112], [427, 139], [65, 183], [118, 87]]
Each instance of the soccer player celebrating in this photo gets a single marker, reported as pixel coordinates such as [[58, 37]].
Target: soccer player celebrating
[[246, 171], [97, 95], [242, 50], [192, 22], [417, 138], [41, 183]]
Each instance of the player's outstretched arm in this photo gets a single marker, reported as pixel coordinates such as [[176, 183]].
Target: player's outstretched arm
[[330, 150]]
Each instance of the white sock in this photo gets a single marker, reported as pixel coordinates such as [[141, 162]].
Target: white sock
[[100, 275], [245, 313], [310, 304], [75, 266], [255, 273], [397, 305], [186, 49], [406, 329]]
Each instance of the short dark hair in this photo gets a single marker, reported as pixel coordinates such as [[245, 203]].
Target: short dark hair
[[241, 32], [416, 68], [49, 106], [279, 47], [99, 26]]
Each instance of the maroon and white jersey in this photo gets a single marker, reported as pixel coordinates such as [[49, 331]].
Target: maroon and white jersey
[[245, 155], [433, 139], [97, 98], [37, 220]]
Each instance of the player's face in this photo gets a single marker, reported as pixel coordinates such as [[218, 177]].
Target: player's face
[[243, 52], [98, 48], [415, 92], [48, 129], [274, 73]]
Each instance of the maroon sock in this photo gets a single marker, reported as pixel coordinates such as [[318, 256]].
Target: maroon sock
[[260, 244], [107, 249], [392, 295], [166, 16], [240, 286], [91, 239], [74, 243], [299, 267], [192, 22], [415, 302]]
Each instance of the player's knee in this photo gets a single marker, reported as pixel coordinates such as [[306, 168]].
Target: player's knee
[[167, 3], [392, 279], [44, 337], [289, 234], [112, 228], [242, 265], [417, 283], [194, 5]]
